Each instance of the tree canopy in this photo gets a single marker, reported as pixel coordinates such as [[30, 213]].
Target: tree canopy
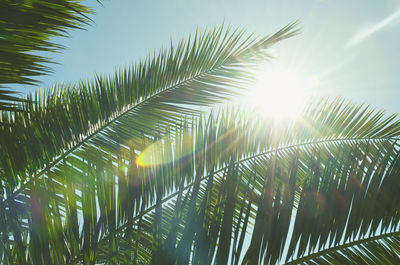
[[141, 167]]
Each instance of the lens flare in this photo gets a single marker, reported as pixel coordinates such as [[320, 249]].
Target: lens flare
[[160, 152]]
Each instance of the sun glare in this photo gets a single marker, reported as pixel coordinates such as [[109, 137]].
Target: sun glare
[[279, 92]]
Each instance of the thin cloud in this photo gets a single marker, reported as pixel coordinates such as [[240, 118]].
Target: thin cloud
[[363, 34]]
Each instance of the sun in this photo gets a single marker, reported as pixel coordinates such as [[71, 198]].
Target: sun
[[279, 92]]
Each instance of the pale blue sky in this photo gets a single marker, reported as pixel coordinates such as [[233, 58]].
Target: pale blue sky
[[352, 47]]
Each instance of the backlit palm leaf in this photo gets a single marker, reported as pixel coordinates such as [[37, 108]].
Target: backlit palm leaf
[[322, 189], [51, 192], [196, 73]]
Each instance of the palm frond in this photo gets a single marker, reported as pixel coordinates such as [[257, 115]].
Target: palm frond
[[26, 28], [105, 112], [326, 183]]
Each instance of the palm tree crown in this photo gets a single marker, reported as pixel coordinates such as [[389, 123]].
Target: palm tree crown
[[127, 169]]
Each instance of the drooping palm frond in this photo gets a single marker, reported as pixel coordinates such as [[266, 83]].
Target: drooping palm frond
[[26, 28], [326, 179], [227, 189]]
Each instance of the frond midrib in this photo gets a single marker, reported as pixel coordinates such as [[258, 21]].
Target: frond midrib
[[106, 124], [342, 246]]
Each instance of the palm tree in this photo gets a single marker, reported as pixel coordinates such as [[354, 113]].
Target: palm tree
[[128, 169]]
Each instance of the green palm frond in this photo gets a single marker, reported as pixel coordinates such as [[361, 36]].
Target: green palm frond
[[105, 112], [26, 28], [127, 169], [226, 189], [379, 249]]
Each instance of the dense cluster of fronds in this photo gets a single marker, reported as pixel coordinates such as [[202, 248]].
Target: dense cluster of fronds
[[126, 170]]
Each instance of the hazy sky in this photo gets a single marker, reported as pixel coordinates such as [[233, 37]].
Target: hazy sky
[[351, 47]]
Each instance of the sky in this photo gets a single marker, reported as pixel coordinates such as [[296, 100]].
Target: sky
[[351, 48]]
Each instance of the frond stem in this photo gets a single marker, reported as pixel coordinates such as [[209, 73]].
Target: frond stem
[[341, 247], [105, 125]]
